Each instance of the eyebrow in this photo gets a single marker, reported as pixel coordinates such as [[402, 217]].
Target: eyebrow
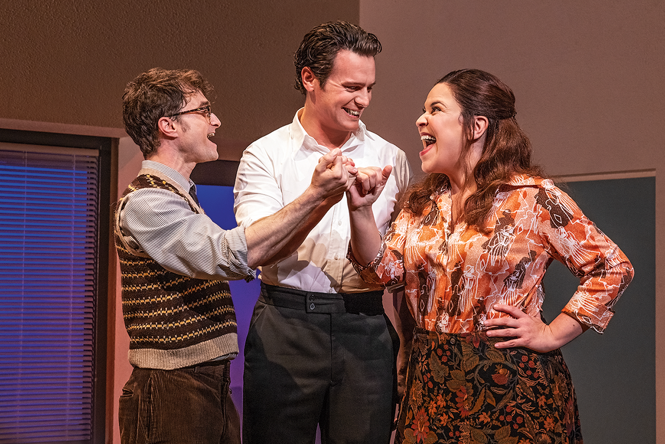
[[357, 84], [203, 103], [437, 102]]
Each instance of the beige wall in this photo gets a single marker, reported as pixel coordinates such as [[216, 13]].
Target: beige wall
[[588, 77], [68, 61]]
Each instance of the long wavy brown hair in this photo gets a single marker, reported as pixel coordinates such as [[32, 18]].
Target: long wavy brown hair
[[507, 149]]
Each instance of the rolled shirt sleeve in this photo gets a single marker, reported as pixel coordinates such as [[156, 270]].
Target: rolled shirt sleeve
[[162, 225]]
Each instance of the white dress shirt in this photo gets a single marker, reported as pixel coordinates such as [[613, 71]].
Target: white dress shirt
[[277, 168], [162, 225]]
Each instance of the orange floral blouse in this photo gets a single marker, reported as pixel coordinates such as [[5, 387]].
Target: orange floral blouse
[[454, 275]]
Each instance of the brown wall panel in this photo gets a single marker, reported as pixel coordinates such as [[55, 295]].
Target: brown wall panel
[[68, 61]]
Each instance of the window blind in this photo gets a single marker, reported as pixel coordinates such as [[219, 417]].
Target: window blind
[[48, 269]]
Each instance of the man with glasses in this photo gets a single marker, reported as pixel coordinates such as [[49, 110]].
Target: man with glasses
[[175, 263]]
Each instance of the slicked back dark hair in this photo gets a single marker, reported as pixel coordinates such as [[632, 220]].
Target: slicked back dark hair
[[155, 94], [320, 46]]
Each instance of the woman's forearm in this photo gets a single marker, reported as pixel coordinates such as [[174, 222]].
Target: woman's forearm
[[365, 237]]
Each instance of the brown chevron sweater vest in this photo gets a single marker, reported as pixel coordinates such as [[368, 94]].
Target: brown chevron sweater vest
[[173, 321]]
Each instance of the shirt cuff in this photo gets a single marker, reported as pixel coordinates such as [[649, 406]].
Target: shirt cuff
[[367, 272], [236, 252], [600, 323]]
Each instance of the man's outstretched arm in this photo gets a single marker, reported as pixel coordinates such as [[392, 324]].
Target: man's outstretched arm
[[274, 237]]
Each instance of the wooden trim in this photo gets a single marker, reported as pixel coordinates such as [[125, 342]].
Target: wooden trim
[[62, 128], [605, 176], [112, 267]]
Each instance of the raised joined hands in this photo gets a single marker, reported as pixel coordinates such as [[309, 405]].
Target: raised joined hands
[[369, 184], [333, 175]]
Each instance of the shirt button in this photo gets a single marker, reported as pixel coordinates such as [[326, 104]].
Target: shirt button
[[339, 222], [312, 306]]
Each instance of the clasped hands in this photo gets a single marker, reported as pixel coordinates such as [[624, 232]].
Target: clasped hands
[[336, 174]]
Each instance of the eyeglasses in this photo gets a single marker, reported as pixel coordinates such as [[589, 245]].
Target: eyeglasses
[[207, 110]]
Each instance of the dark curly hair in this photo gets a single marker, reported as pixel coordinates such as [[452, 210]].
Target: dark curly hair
[[507, 149], [153, 95], [320, 46]]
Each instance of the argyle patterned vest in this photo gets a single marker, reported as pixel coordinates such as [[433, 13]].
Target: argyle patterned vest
[[173, 320]]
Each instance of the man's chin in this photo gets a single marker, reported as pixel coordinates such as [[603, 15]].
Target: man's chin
[[214, 155], [352, 126], [208, 158]]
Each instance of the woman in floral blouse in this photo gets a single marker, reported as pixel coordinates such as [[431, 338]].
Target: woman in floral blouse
[[472, 245]]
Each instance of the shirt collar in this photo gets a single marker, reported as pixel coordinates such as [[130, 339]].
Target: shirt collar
[[170, 172], [302, 139], [517, 180]]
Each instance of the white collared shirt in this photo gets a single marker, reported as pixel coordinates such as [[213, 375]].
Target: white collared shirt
[[277, 168]]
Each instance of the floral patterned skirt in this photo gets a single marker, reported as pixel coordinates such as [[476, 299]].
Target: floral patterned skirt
[[461, 389]]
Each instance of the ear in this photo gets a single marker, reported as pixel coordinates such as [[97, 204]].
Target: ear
[[166, 126], [308, 79], [479, 126]]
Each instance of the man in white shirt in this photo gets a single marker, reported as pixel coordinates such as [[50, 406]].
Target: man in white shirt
[[320, 349], [175, 262]]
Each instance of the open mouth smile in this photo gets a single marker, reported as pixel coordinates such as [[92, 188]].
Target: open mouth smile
[[428, 139]]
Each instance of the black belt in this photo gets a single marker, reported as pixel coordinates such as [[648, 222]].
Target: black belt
[[213, 363], [368, 303]]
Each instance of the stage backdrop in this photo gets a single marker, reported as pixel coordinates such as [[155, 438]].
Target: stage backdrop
[[614, 373]]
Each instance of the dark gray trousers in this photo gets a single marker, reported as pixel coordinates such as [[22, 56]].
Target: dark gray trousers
[[318, 359]]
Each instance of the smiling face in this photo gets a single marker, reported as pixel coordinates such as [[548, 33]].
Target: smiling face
[[333, 111], [195, 131], [442, 133]]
